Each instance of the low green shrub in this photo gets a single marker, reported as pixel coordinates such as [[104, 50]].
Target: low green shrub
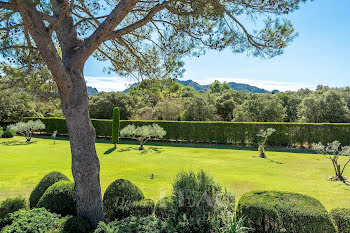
[[9, 134], [275, 211], [8, 206], [32, 221], [341, 217], [48, 180], [118, 197], [60, 198], [1, 131], [75, 225], [162, 209], [142, 208], [199, 204], [133, 224]]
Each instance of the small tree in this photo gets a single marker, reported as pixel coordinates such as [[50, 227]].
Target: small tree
[[333, 151], [115, 126], [264, 134], [54, 134], [143, 133], [27, 128]]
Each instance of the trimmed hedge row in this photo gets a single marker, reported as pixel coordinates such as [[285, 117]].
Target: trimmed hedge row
[[287, 134]]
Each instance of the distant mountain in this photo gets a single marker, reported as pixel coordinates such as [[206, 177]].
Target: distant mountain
[[92, 91], [199, 87]]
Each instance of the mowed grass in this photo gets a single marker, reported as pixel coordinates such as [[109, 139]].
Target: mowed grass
[[22, 165]]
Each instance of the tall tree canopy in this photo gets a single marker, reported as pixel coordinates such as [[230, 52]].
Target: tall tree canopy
[[141, 38]]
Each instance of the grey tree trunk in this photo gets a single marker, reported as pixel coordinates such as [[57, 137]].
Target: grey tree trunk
[[85, 163]]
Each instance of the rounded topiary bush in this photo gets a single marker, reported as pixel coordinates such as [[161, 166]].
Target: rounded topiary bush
[[8, 206], [134, 224], [35, 220], [75, 225], [43, 185], [118, 197], [162, 209], [9, 134], [275, 211], [341, 217], [60, 198]]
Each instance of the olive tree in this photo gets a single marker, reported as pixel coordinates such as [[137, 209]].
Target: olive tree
[[143, 133], [27, 128], [264, 134], [140, 38], [334, 152]]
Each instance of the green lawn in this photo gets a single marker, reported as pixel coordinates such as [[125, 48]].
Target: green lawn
[[22, 166]]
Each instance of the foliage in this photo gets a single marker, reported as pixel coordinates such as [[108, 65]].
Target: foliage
[[237, 133], [162, 209], [27, 128], [8, 206], [217, 87], [133, 225], [60, 198], [237, 226], [168, 109], [115, 126], [118, 197], [275, 211], [1, 131], [198, 109], [54, 134], [75, 225], [333, 151], [143, 133], [328, 106], [32, 221], [142, 208], [9, 134], [199, 204], [225, 104], [101, 106], [341, 218], [48, 180], [145, 113], [264, 134]]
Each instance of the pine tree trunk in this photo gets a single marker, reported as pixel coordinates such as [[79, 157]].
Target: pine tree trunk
[[85, 163]]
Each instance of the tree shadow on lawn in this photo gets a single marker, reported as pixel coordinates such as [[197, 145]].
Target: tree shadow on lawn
[[17, 143], [107, 152], [146, 150], [268, 159]]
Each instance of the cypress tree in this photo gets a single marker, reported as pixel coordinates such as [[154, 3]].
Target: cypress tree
[[115, 126]]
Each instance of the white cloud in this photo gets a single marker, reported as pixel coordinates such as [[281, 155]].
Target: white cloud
[[120, 84], [108, 83], [265, 84]]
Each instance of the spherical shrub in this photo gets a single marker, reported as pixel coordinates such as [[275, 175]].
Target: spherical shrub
[[341, 217], [274, 211], [35, 220], [162, 209], [43, 185], [134, 225], [75, 225], [60, 198], [118, 197], [199, 204], [9, 134], [8, 206]]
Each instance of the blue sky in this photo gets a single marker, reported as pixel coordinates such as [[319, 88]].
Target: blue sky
[[320, 55]]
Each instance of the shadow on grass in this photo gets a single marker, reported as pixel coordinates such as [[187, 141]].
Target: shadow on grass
[[17, 143], [107, 152], [268, 159], [155, 150]]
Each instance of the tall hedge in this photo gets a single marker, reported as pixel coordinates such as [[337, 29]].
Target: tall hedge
[[238, 133], [275, 211], [115, 126]]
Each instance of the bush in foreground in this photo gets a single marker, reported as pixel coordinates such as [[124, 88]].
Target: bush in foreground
[[60, 198], [274, 211], [9, 134], [32, 221], [43, 185], [75, 225], [199, 204], [133, 224], [163, 208], [118, 197], [341, 217], [8, 206]]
